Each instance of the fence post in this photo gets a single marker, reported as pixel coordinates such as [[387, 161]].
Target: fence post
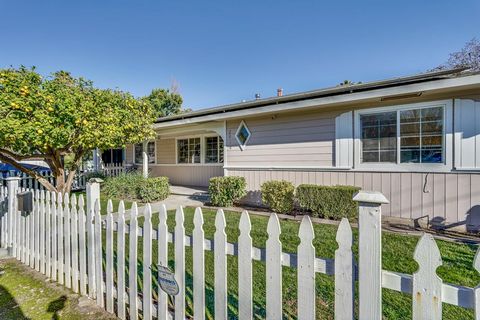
[[145, 165], [370, 253], [12, 190], [93, 193]]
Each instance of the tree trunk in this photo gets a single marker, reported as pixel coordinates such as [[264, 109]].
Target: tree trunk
[[60, 179]]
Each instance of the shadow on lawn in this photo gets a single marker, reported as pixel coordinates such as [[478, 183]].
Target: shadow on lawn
[[56, 306], [9, 308]]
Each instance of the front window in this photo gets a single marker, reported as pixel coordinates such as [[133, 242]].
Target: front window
[[421, 135], [213, 150], [188, 150], [403, 136], [150, 152], [379, 137]]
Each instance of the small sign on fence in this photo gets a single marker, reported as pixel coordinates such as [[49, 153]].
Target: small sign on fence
[[166, 280]]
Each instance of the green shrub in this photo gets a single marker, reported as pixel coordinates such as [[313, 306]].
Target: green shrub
[[224, 191], [133, 186], [331, 202], [278, 195], [153, 189]]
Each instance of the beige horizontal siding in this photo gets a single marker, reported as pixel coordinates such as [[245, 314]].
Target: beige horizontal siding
[[187, 175], [289, 139], [447, 197], [129, 153], [165, 151]]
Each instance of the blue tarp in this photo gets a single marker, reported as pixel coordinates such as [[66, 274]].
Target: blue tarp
[[5, 168]]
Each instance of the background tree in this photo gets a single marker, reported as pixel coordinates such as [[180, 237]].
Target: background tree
[[164, 102], [468, 56], [47, 119]]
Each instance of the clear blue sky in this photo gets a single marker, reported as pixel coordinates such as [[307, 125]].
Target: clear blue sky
[[221, 52]]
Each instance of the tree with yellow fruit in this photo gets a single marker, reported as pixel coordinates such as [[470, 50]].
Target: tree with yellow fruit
[[49, 118]]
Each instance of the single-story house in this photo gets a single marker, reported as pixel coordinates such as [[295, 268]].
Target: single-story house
[[416, 139]]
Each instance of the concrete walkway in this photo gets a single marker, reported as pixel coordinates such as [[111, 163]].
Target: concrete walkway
[[179, 196]]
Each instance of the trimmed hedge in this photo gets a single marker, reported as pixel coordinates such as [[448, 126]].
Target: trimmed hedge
[[133, 186], [278, 195], [224, 191], [330, 202]]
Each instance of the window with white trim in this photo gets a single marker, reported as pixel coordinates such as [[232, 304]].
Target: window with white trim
[[150, 152], [413, 135], [213, 149], [188, 150], [242, 135]]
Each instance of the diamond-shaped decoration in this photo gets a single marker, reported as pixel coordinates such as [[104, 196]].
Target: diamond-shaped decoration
[[242, 135]]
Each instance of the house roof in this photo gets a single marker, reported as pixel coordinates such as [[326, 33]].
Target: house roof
[[342, 90]]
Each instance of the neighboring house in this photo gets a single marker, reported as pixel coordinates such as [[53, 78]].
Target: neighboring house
[[416, 139]]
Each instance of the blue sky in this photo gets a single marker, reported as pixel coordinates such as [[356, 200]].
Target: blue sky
[[222, 52]]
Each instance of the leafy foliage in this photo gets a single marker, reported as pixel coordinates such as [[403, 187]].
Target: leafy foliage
[[330, 202], [133, 186], [49, 118], [224, 191], [278, 195], [164, 102]]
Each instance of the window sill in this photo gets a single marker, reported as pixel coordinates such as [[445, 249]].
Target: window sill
[[431, 167], [187, 165]]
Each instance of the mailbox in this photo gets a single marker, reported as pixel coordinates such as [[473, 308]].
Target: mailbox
[[25, 201]]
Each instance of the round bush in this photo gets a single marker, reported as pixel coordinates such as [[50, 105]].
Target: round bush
[[278, 195], [224, 191]]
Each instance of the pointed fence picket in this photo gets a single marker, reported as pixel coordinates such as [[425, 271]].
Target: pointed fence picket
[[67, 241], [306, 271], [179, 242], [162, 236], [98, 255], [42, 231], [245, 304], [121, 262], [344, 273], [74, 239], [109, 258], [198, 266], [274, 269], [427, 286], [60, 229], [75, 258], [82, 248], [220, 266], [132, 259], [54, 241], [147, 264]]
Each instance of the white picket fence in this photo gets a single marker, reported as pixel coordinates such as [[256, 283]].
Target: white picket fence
[[113, 169], [63, 238], [29, 182]]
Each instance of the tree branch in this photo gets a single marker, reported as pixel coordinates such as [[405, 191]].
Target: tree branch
[[18, 157], [41, 179]]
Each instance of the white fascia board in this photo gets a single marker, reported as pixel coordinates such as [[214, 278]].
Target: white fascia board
[[438, 85]]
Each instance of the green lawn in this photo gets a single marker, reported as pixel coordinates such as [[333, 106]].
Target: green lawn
[[397, 256], [25, 294]]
